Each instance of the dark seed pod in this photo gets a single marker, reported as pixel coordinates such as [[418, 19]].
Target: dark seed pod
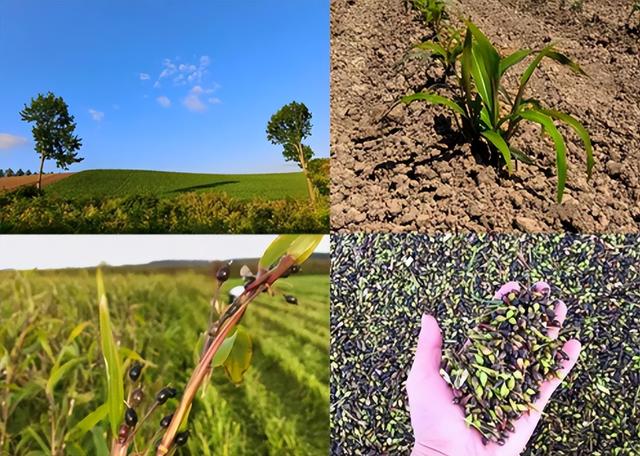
[[137, 396], [223, 273], [130, 417], [165, 421], [123, 433], [165, 394], [291, 299], [181, 438], [134, 371]]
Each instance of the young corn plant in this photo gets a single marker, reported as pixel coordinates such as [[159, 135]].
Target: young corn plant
[[224, 344], [432, 11], [487, 113]]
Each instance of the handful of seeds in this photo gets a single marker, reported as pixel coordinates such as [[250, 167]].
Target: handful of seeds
[[497, 374]]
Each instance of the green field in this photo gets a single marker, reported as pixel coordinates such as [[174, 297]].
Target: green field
[[121, 182], [282, 408]]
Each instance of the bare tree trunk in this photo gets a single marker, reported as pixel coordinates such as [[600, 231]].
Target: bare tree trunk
[[40, 175], [303, 164]]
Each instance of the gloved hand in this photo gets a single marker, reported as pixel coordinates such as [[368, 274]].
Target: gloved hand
[[438, 423]]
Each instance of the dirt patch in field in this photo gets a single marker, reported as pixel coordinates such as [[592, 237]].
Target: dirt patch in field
[[13, 182], [407, 172]]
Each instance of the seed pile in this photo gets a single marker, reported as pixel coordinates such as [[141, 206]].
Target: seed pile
[[496, 375], [382, 284]]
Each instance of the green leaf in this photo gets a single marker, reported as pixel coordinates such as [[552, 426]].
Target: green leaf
[[566, 61], [580, 130], [113, 365], [223, 351], [483, 378], [303, 246], [299, 246], [500, 144], [561, 152], [275, 250], [434, 99], [519, 155], [239, 358], [99, 442], [76, 331], [513, 59], [467, 62], [485, 69], [58, 372], [87, 423], [432, 47]]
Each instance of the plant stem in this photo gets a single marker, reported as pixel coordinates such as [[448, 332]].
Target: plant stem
[[227, 323]]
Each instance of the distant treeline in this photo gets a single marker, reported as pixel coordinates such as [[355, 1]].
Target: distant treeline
[[10, 172]]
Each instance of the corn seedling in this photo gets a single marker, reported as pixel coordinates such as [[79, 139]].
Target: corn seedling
[[486, 112], [432, 11], [225, 344]]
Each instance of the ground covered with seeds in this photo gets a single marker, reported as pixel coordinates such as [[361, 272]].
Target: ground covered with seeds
[[409, 171], [382, 284]]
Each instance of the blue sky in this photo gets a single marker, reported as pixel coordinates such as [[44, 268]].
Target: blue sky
[[166, 85]]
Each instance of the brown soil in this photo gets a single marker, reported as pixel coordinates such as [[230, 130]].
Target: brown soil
[[11, 183], [407, 172]]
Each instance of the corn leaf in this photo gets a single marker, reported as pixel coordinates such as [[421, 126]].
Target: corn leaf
[[467, 62], [500, 144], [485, 69], [434, 99], [432, 48], [561, 152], [580, 130], [521, 156], [513, 59], [113, 365], [57, 373], [566, 61], [87, 423]]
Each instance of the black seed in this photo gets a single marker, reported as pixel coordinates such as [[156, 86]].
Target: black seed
[[223, 273], [291, 299], [165, 394], [181, 438], [166, 420], [134, 371], [130, 417]]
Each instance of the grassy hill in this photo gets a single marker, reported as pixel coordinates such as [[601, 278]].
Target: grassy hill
[[282, 408], [121, 182]]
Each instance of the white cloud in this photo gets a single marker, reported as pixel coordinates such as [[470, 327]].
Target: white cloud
[[193, 103], [193, 75], [144, 77], [96, 115], [8, 141], [163, 101]]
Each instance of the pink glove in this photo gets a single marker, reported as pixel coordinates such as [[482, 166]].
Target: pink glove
[[438, 424]]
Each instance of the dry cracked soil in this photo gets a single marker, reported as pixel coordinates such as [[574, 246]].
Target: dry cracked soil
[[408, 170]]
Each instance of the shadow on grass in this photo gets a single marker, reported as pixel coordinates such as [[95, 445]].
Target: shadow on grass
[[202, 187]]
